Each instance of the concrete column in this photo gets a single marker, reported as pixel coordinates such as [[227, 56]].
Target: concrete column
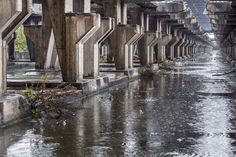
[[11, 47], [160, 47], [52, 60], [177, 46], [171, 44], [13, 14], [124, 8], [3, 65], [118, 15], [147, 23], [183, 46], [76, 38], [166, 40], [188, 47], [162, 43], [125, 38], [191, 46], [92, 47], [82, 6], [147, 43], [143, 20], [146, 48], [159, 28]]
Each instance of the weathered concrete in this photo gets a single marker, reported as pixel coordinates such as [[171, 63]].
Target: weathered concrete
[[76, 38], [182, 46], [177, 45], [13, 14], [126, 35], [40, 36], [12, 109], [146, 48], [92, 47]]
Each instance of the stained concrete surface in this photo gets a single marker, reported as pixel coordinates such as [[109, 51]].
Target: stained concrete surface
[[183, 112]]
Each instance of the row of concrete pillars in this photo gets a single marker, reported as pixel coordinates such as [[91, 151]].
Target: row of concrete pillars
[[222, 17], [72, 34]]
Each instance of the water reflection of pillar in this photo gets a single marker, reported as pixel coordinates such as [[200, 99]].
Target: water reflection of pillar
[[7, 136], [162, 86], [150, 87], [171, 81], [90, 122], [80, 130], [131, 114], [117, 121]]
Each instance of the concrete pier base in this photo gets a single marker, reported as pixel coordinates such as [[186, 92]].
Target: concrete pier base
[[13, 108]]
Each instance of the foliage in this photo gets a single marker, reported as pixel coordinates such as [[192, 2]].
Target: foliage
[[20, 45]]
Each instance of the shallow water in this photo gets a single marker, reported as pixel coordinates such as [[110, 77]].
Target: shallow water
[[175, 114]]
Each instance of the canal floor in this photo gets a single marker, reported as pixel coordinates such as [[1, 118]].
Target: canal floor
[[186, 111]]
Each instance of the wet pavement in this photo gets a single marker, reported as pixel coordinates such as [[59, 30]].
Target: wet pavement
[[183, 112]]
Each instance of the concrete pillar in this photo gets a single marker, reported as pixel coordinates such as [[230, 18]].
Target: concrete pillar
[[125, 37], [92, 47], [166, 40], [147, 43], [146, 48], [159, 28], [147, 23], [177, 46], [160, 47], [3, 67], [52, 60], [187, 48], [76, 38], [12, 14], [11, 47], [119, 10], [43, 39], [56, 13], [183, 46], [143, 19], [35, 43], [82, 6], [170, 46], [124, 8], [190, 48]]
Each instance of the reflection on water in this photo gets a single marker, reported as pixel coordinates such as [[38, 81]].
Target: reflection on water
[[160, 116]]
